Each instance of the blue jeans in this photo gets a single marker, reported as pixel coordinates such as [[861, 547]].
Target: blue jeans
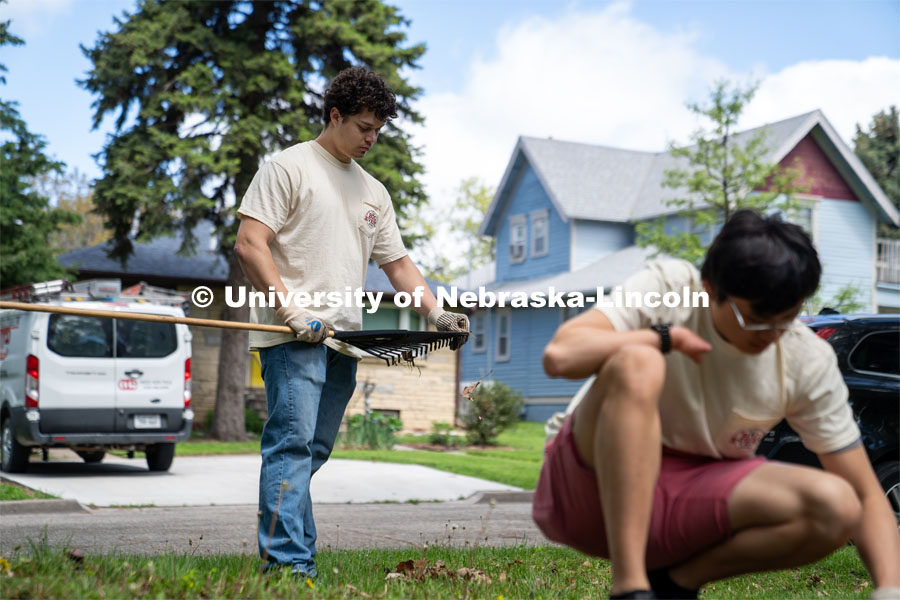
[[307, 389]]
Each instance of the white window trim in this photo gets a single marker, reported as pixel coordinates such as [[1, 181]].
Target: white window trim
[[503, 312], [812, 203], [516, 221], [480, 318], [536, 216]]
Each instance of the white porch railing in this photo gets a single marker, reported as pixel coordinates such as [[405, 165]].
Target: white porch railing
[[887, 261]]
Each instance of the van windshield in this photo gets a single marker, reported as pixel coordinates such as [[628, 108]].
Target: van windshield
[[91, 337]]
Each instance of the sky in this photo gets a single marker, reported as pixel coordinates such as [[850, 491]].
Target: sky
[[610, 73]]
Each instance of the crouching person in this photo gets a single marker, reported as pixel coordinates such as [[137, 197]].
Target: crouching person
[[655, 469]]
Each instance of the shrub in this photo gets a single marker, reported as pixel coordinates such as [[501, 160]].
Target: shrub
[[374, 430], [492, 408], [442, 435], [253, 423]]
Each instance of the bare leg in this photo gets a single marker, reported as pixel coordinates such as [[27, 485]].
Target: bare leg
[[784, 516], [617, 433]]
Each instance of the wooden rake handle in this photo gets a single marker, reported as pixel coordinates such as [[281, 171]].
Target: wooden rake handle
[[113, 314]]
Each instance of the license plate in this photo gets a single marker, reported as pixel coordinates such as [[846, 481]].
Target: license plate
[[147, 422]]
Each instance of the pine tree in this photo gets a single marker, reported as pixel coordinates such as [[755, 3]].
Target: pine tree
[[26, 218], [203, 92]]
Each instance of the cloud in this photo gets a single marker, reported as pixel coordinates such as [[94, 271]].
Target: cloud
[[604, 77], [598, 77], [848, 93], [30, 18]]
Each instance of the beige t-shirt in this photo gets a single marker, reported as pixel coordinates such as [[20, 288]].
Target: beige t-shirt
[[725, 405], [329, 219]]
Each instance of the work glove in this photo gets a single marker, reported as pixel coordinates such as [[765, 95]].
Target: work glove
[[309, 328], [448, 321]]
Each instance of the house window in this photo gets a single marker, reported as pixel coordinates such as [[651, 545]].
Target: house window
[[540, 233], [803, 216], [517, 233], [504, 328], [479, 344]]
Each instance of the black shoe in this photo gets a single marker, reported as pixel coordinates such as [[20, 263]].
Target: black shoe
[[635, 594], [662, 584]]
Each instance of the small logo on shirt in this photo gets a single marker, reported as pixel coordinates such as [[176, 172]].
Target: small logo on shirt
[[371, 218], [747, 439]]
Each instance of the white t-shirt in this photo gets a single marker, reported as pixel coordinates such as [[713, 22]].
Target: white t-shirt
[[329, 219], [724, 406]]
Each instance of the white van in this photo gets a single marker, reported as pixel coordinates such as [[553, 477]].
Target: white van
[[93, 384]]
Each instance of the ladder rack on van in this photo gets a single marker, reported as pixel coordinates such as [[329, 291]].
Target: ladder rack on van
[[109, 290]]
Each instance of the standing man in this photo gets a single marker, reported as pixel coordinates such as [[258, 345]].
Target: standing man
[[311, 220], [655, 467]]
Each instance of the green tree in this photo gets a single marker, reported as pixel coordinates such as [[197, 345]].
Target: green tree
[[473, 197], [72, 191], [26, 218], [879, 150], [722, 173], [204, 91]]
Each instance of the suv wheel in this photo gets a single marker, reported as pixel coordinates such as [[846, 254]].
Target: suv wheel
[[888, 474], [159, 456], [91, 457], [13, 455]]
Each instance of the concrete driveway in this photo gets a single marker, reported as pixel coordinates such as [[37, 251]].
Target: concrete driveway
[[229, 480]]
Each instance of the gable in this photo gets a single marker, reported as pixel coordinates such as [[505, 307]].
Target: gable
[[817, 171]]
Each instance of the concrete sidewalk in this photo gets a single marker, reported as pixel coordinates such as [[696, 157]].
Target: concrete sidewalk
[[231, 480]]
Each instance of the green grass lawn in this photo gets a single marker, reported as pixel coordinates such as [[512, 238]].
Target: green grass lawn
[[516, 461], [432, 573], [12, 491]]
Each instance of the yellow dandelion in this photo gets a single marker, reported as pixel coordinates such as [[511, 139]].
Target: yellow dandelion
[[309, 583]]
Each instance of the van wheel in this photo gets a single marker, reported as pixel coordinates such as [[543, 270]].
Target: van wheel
[[13, 456], [888, 474], [91, 457], [159, 456]]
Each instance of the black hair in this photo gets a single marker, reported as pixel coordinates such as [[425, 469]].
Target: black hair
[[356, 89], [771, 263]]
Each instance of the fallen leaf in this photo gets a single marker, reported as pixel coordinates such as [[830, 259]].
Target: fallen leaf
[[357, 591], [393, 576], [470, 389]]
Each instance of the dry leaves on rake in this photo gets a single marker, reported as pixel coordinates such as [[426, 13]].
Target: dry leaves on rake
[[417, 570]]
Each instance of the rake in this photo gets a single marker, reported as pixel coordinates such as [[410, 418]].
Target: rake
[[392, 346]]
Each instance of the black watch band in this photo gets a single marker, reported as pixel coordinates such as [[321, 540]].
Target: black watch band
[[665, 339]]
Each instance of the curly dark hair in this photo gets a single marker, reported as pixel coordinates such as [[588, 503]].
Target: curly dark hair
[[762, 259], [356, 89]]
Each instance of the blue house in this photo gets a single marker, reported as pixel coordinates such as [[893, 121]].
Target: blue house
[[564, 216]]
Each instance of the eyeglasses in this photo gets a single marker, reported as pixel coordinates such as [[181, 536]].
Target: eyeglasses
[[760, 327]]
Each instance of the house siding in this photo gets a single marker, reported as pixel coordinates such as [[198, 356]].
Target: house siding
[[595, 239], [529, 196], [531, 330], [845, 236], [817, 171]]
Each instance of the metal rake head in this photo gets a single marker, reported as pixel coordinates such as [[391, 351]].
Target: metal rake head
[[395, 346]]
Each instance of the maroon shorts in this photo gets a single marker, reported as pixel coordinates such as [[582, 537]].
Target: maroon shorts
[[690, 504]]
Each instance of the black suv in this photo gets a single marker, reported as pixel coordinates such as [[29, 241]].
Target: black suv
[[868, 352]]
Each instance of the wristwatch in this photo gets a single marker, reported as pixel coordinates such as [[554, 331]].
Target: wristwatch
[[665, 339]]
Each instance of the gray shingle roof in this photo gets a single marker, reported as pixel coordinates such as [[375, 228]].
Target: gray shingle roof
[[159, 259], [610, 184], [156, 258], [613, 269]]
